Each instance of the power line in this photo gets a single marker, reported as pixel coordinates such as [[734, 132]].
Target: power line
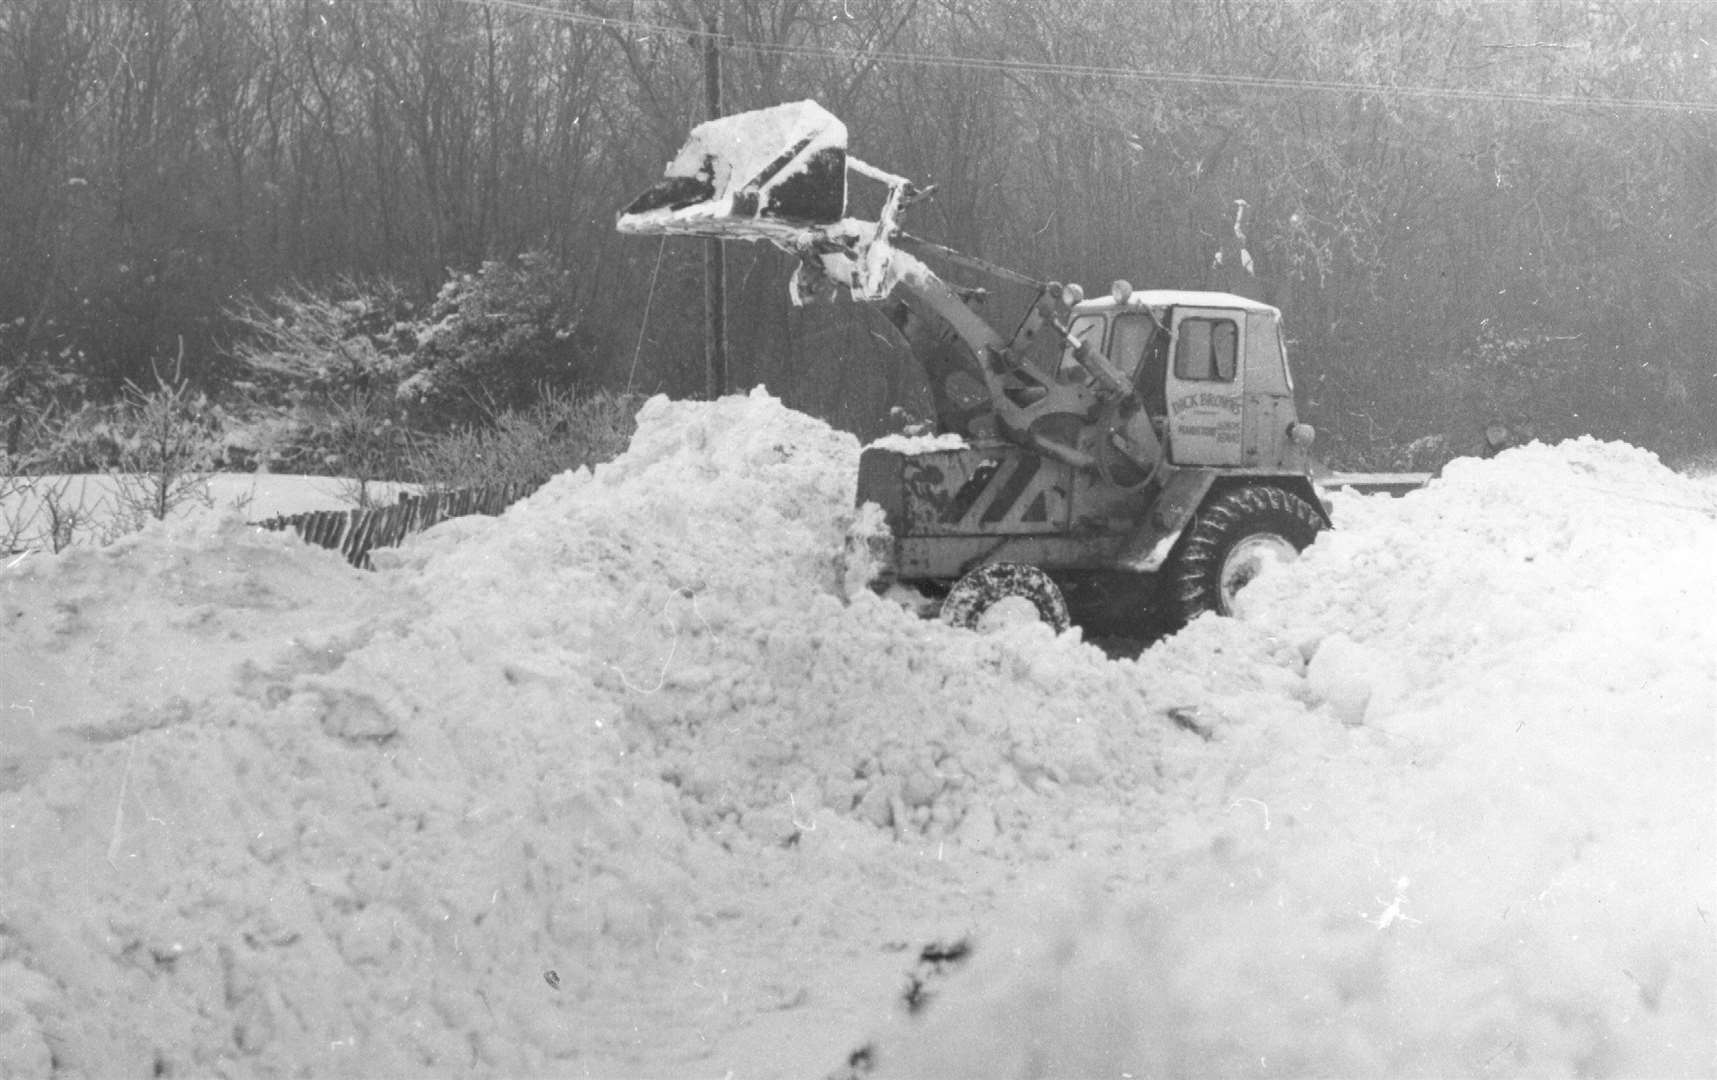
[[950, 61]]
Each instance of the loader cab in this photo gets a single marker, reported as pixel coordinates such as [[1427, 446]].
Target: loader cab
[[1209, 367]]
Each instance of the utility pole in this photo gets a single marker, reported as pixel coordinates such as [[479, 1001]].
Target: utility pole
[[715, 251]]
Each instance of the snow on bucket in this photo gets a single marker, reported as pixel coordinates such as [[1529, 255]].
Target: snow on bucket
[[760, 175]]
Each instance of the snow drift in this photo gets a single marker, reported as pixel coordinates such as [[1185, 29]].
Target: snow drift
[[621, 783], [1507, 868]]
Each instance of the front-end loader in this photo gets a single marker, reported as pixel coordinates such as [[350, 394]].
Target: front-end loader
[[1137, 455]]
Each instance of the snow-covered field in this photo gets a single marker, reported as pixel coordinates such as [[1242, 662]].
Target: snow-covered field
[[620, 784], [98, 506]]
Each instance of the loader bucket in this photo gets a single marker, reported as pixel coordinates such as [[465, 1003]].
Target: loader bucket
[[763, 175]]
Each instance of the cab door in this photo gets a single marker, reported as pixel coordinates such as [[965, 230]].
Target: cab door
[[1204, 386]]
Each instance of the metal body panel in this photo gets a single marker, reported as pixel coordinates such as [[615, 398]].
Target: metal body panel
[[1267, 419], [950, 510], [1206, 385], [1148, 548], [979, 491], [1266, 356], [947, 558]]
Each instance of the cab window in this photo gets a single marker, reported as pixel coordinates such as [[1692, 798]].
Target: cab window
[[1206, 349], [1127, 343]]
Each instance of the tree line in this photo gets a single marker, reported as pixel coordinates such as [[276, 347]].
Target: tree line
[[1468, 211]]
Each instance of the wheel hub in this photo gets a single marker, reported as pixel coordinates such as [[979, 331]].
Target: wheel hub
[[1246, 560], [1008, 611]]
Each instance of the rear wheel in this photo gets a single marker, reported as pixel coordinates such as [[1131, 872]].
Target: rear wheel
[[996, 593], [1234, 536]]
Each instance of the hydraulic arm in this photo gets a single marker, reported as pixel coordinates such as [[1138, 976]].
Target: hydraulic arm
[[780, 175]]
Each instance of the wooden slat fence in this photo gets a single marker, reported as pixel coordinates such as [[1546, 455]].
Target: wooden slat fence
[[355, 533]]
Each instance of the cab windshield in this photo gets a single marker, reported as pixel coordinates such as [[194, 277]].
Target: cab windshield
[[1127, 343]]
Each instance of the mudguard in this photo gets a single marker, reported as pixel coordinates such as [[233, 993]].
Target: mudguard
[[1185, 492], [1148, 548]]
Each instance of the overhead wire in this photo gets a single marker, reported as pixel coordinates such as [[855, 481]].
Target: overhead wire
[[644, 320], [1274, 84]]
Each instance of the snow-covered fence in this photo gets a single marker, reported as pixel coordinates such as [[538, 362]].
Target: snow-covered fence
[[355, 533]]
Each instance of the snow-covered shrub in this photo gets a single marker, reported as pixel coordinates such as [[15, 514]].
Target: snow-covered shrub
[[49, 513], [40, 369], [169, 443], [266, 439], [86, 439], [494, 340], [168, 425], [329, 360], [351, 336], [359, 368], [17, 522], [362, 439], [557, 432]]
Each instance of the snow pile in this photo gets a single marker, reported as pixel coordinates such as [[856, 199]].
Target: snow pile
[[699, 580], [621, 784], [268, 814], [1509, 868]]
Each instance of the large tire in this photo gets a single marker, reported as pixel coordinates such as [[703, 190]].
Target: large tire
[[982, 589], [1222, 550]]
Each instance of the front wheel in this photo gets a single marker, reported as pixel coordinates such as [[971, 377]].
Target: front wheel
[[1229, 543], [985, 597]]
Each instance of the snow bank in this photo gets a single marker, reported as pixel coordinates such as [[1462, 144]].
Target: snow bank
[[619, 784], [699, 581], [268, 814], [1508, 869]]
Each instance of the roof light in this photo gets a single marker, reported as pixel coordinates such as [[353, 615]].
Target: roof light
[[1071, 293], [1121, 290]]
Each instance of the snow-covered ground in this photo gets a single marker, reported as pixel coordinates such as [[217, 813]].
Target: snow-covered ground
[[620, 784], [95, 508]]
